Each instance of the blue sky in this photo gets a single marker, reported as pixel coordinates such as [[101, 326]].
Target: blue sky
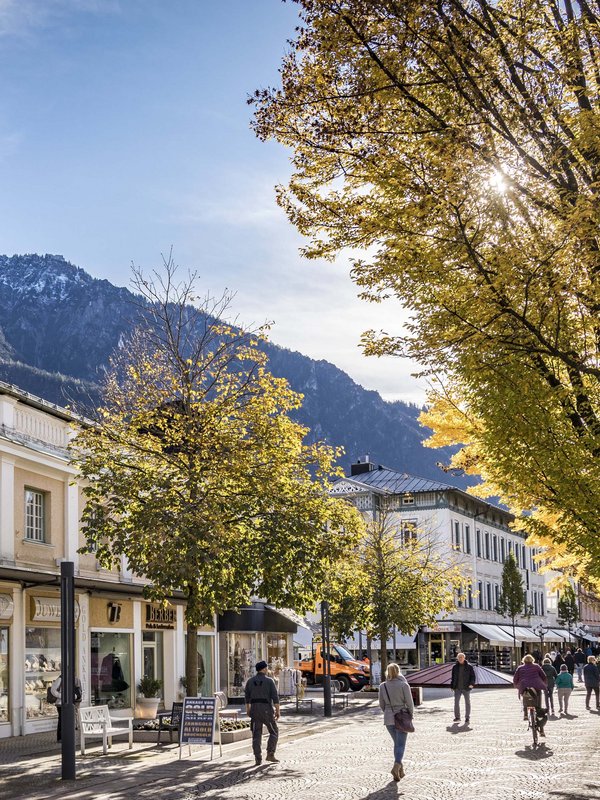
[[124, 130]]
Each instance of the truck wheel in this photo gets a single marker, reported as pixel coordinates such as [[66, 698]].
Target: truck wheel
[[343, 682]]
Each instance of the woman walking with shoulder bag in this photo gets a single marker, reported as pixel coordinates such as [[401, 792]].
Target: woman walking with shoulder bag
[[395, 698]]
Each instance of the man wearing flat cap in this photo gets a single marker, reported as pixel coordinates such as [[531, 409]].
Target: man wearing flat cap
[[262, 705]]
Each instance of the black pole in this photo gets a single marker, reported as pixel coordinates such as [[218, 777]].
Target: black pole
[[67, 652], [326, 659]]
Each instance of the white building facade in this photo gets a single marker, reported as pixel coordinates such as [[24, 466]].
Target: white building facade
[[477, 536]]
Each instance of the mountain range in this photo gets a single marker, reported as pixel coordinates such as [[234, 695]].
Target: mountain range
[[59, 325]]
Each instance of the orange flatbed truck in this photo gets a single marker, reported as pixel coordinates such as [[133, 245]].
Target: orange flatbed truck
[[347, 670]]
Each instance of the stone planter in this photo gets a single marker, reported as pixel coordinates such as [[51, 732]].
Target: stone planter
[[228, 737], [152, 736], [146, 707]]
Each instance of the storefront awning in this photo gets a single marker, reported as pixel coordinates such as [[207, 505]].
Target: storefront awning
[[403, 642], [559, 635], [493, 633], [291, 615]]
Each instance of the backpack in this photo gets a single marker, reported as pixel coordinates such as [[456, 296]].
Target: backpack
[[530, 697]]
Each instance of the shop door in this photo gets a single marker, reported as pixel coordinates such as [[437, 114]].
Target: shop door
[[437, 649]]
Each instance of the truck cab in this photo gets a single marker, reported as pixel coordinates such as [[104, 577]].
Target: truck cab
[[347, 670]]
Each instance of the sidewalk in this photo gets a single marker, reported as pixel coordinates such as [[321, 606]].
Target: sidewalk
[[349, 758]]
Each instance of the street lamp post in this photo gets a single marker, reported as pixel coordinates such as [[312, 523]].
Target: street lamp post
[[541, 630], [325, 653]]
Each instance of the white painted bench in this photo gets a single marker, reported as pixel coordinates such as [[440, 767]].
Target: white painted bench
[[224, 712], [96, 721]]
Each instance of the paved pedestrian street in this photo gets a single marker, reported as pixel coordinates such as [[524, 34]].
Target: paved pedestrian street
[[346, 758]]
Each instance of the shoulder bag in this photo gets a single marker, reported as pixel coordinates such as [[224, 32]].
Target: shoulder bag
[[402, 719]]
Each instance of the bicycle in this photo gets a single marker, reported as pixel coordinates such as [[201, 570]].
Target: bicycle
[[533, 724]]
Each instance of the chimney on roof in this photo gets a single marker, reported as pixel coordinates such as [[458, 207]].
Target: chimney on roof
[[361, 466]]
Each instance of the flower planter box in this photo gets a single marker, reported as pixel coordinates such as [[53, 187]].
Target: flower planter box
[[152, 736], [227, 737]]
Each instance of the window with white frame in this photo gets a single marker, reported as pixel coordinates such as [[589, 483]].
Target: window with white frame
[[456, 537], [488, 595], [35, 515], [470, 596], [478, 536], [467, 539], [408, 499], [502, 550], [481, 598], [496, 595], [495, 547], [408, 530], [487, 545], [541, 604]]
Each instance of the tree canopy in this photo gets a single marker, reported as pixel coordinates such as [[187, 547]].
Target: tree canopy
[[196, 473], [456, 144], [511, 602]]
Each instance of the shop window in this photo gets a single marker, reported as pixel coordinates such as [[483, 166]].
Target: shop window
[[4, 675], [111, 672], [276, 652], [35, 516], [42, 666], [242, 655]]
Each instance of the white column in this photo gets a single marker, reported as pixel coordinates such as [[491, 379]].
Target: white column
[[71, 543], [138, 668], [179, 649], [216, 656], [7, 411], [7, 508], [170, 674], [17, 663], [83, 671]]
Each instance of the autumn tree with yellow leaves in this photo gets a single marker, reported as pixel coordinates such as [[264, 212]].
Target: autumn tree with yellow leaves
[[196, 473], [393, 577], [456, 143]]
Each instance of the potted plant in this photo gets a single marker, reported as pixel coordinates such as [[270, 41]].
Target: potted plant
[[148, 698]]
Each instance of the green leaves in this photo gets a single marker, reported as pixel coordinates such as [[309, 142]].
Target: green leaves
[[196, 473]]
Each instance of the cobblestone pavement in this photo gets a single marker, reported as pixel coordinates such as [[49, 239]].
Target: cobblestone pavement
[[349, 758]]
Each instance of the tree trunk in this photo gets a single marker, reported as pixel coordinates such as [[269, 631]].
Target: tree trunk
[[370, 657], [383, 652]]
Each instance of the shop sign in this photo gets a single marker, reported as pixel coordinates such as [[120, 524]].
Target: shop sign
[[6, 606], [443, 627], [113, 612], [161, 617], [47, 609]]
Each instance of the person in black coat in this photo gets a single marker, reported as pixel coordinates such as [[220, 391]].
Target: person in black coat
[[558, 662], [570, 662], [462, 681], [591, 678]]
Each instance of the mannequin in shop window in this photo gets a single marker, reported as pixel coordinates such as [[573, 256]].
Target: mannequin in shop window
[[112, 678]]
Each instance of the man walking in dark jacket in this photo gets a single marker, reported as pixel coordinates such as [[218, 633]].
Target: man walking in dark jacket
[[262, 705], [461, 683]]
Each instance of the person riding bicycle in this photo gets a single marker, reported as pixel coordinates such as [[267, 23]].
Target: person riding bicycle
[[531, 682]]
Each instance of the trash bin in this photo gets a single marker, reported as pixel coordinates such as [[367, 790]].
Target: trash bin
[[417, 695]]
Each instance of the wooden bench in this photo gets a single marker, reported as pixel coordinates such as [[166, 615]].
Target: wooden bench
[[96, 721]]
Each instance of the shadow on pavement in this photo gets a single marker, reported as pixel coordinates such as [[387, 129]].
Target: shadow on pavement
[[540, 752], [456, 728], [593, 794], [389, 792]]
